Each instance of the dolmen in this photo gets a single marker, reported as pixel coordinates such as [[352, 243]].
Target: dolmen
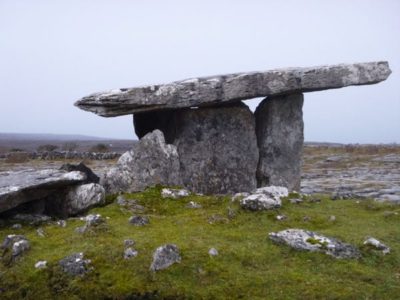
[[198, 133]]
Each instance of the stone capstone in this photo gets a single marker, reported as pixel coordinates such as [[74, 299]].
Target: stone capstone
[[221, 89], [279, 126], [305, 240], [164, 257], [150, 162]]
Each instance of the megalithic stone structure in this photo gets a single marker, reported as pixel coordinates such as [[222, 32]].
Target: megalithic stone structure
[[200, 114]]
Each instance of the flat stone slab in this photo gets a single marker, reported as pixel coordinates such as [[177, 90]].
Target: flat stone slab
[[23, 186], [212, 90]]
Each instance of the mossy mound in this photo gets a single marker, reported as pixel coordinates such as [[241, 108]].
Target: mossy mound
[[249, 265]]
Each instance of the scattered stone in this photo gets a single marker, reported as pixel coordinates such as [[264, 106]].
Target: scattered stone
[[374, 243], [121, 200], [217, 219], [193, 204], [300, 239], [306, 219], [75, 264], [81, 167], [332, 218], [213, 252], [41, 264], [174, 193], [228, 88], [129, 242], [93, 220], [81, 229], [281, 217], [273, 191], [130, 253], [164, 257], [19, 187], [62, 223], [150, 162], [387, 214], [295, 200], [389, 197], [264, 198], [239, 196], [40, 232], [16, 226], [280, 158], [139, 220]]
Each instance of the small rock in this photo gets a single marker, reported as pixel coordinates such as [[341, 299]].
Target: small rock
[[16, 226], [231, 213], [129, 253], [62, 223], [295, 200], [281, 217], [300, 239], [41, 264], [332, 218], [164, 257], [306, 218], [174, 193], [40, 232], [129, 242], [239, 196], [81, 229], [387, 214], [75, 264], [93, 220], [121, 200], [256, 202], [139, 220], [193, 204], [273, 191], [20, 247], [372, 242], [213, 252], [217, 219]]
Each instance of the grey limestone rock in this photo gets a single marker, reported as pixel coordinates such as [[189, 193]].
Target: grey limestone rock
[[279, 126], [14, 245], [81, 167], [139, 220], [377, 245], [217, 148], [130, 253], [164, 257], [150, 162], [174, 193], [75, 264], [82, 197], [305, 240], [264, 198], [19, 187], [232, 87]]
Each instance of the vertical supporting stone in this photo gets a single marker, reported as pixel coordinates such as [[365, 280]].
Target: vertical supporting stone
[[217, 148], [280, 137]]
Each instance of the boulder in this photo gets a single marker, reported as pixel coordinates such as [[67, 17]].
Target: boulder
[[279, 126], [150, 162], [305, 240], [19, 187], [377, 245], [82, 197], [232, 87], [217, 148], [164, 257]]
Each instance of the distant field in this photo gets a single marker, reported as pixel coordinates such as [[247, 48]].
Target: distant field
[[31, 142]]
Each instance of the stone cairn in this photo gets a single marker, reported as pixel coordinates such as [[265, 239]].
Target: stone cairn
[[197, 132]]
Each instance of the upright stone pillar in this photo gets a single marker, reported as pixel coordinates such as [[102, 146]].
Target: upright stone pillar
[[280, 137]]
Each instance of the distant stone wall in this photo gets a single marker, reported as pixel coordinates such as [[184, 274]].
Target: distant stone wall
[[62, 155]]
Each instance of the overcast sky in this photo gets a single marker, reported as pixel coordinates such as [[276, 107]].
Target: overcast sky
[[55, 52]]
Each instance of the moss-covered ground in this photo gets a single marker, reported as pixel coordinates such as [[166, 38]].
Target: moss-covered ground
[[249, 265]]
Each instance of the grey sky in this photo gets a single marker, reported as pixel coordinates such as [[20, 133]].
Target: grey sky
[[54, 52]]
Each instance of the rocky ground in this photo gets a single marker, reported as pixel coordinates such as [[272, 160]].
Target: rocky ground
[[352, 171], [344, 171]]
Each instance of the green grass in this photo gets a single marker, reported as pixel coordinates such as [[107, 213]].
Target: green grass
[[249, 265]]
